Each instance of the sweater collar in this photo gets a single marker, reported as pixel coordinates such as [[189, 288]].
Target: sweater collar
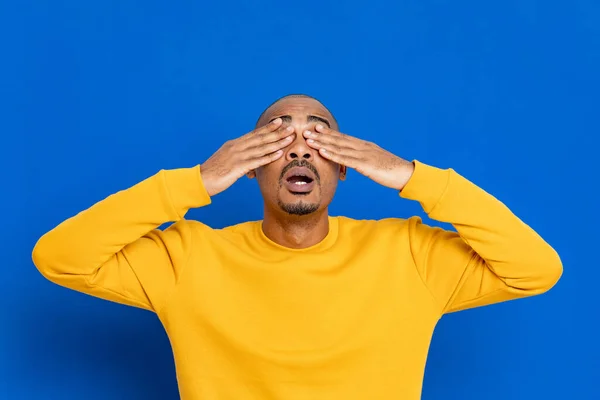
[[324, 244]]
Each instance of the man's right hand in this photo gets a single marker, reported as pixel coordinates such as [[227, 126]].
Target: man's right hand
[[239, 156]]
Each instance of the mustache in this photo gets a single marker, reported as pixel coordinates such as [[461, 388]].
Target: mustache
[[300, 163]]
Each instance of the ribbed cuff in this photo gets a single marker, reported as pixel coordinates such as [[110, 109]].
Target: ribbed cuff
[[426, 185], [186, 189]]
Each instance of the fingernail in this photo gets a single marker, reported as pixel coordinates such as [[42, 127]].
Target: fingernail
[[319, 126], [308, 133], [289, 128], [310, 141]]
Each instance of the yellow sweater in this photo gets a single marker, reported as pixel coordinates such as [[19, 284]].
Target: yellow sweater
[[349, 318]]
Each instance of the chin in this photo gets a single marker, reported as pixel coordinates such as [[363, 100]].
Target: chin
[[299, 207]]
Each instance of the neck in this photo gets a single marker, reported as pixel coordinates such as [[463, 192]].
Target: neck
[[295, 231]]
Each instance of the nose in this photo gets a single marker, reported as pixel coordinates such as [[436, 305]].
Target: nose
[[299, 149]]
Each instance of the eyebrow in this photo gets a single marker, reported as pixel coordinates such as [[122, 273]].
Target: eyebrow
[[310, 118]]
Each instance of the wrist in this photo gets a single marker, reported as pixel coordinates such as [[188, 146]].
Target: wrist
[[205, 181], [405, 173]]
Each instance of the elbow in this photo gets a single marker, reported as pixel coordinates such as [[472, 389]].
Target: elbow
[[549, 271], [537, 275], [555, 271], [44, 259]]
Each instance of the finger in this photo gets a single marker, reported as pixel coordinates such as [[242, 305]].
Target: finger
[[268, 147], [270, 127], [334, 148], [347, 161], [264, 160], [334, 137], [259, 139], [320, 128]]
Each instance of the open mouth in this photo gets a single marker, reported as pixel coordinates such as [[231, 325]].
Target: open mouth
[[299, 180]]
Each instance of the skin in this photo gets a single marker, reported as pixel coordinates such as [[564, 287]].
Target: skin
[[280, 223], [299, 131]]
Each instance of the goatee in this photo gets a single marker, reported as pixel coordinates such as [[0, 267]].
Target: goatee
[[300, 208]]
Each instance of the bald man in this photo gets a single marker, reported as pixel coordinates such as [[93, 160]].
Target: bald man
[[301, 304]]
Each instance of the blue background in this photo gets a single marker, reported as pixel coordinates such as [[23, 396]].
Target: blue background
[[97, 95]]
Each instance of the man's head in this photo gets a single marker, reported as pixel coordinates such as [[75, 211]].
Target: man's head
[[301, 182]]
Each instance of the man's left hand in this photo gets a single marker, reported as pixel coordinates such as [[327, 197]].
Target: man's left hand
[[365, 157]]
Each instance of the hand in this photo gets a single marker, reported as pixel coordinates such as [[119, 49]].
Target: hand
[[239, 156], [365, 157]]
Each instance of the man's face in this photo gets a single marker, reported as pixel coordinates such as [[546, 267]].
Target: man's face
[[301, 182]]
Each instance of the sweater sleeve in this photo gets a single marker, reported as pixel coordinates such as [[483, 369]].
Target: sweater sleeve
[[492, 257], [115, 250]]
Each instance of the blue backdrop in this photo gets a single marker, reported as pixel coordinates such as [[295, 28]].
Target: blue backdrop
[[97, 95]]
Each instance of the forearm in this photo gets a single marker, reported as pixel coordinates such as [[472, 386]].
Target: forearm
[[505, 244], [84, 242]]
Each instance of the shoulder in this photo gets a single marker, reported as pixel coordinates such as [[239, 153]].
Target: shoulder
[[201, 228], [410, 232], [384, 224], [378, 229]]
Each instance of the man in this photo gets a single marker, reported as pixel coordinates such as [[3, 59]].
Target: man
[[300, 305]]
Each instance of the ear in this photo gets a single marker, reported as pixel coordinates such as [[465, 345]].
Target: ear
[[343, 172], [251, 174]]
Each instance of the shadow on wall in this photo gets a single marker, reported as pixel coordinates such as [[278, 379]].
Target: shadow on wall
[[75, 345], [68, 345]]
